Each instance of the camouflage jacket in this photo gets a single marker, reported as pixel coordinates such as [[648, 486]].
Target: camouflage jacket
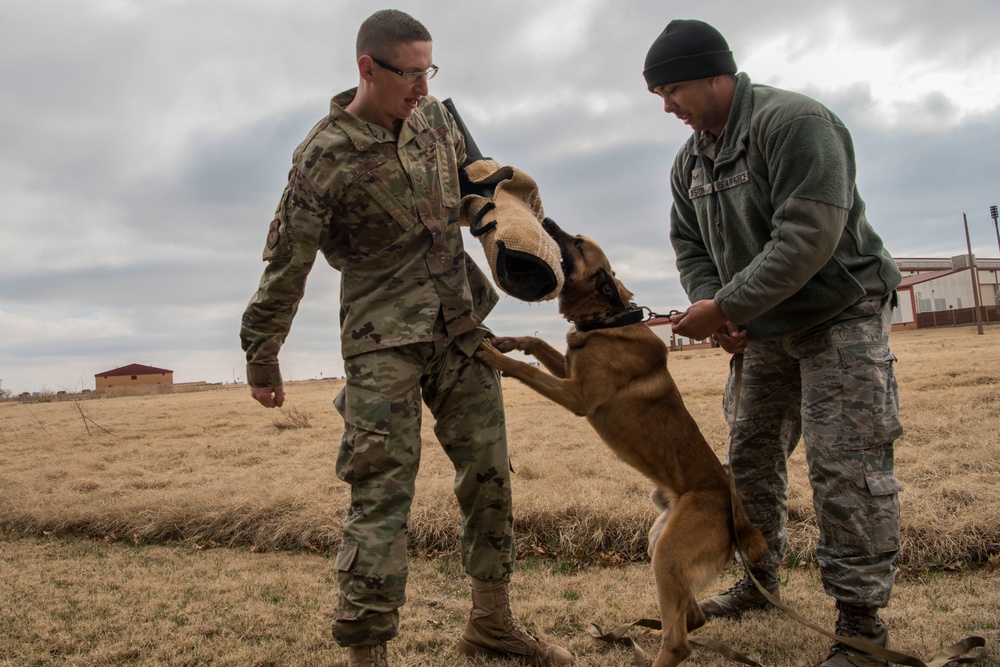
[[384, 212]]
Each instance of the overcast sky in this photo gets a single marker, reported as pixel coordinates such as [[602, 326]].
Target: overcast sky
[[145, 144]]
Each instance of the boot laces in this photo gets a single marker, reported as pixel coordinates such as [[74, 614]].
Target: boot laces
[[849, 625], [508, 614], [378, 655], [743, 585]]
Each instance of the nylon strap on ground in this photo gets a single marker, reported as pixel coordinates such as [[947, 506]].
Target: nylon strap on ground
[[620, 637], [948, 654]]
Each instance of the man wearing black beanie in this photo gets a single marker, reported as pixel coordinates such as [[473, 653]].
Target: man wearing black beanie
[[781, 265]]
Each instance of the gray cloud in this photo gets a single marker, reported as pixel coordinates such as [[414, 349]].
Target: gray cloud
[[146, 145]]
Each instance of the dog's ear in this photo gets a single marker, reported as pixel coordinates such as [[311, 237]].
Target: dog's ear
[[608, 286]]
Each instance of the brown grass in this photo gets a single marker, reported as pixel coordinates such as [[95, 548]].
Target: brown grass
[[91, 604], [212, 466], [156, 481]]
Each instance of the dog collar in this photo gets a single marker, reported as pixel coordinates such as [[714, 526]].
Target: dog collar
[[632, 314]]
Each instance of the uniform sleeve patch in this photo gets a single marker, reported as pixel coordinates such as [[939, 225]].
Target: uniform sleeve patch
[[273, 234]]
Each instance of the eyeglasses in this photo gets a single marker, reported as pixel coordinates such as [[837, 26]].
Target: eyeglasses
[[408, 77]]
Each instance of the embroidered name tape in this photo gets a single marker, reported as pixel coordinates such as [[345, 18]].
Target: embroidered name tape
[[717, 186]]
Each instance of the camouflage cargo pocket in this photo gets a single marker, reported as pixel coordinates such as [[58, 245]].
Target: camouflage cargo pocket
[[372, 581], [860, 516], [883, 512], [346, 557], [870, 399], [381, 219], [366, 432]]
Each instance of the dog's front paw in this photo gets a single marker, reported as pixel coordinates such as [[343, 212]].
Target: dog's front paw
[[487, 352], [510, 343], [504, 343]]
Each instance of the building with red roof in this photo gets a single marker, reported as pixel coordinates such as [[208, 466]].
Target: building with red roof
[[133, 375]]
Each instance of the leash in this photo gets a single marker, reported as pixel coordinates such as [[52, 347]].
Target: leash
[[668, 314], [950, 654], [610, 319], [620, 637]]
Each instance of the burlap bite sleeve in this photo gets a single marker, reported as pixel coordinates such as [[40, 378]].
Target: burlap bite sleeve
[[525, 260]]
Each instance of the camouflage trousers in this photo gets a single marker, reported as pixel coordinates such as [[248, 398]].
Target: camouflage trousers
[[379, 456], [834, 387]]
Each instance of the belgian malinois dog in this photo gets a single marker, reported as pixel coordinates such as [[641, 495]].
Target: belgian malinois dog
[[615, 374]]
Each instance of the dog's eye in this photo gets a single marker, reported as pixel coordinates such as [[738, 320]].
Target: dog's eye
[[578, 243]]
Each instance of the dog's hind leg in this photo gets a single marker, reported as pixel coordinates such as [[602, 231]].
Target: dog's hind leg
[[691, 551], [675, 599], [655, 530], [695, 616], [661, 501]]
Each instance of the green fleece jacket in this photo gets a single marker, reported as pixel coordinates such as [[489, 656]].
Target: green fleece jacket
[[773, 228]]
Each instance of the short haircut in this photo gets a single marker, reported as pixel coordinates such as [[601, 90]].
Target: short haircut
[[381, 32]]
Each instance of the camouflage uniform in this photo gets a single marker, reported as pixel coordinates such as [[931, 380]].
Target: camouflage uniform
[[383, 210], [767, 222], [836, 386]]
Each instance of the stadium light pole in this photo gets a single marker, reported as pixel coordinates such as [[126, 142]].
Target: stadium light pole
[[993, 214]]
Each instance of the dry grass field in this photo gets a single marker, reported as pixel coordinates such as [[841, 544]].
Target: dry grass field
[[196, 528]]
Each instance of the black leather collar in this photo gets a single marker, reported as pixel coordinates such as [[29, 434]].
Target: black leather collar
[[610, 319]]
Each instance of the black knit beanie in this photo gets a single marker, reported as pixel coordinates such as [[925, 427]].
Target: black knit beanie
[[687, 50]]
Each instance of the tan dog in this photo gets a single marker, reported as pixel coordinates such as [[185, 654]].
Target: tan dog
[[615, 374]]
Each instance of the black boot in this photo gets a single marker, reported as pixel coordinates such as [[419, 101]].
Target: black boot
[[863, 623], [742, 597]]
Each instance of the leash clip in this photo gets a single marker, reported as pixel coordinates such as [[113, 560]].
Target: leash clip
[[668, 315]]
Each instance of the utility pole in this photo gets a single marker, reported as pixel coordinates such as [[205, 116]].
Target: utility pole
[[975, 276], [993, 214]]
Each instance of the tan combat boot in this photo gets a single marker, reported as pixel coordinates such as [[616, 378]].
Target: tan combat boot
[[368, 656], [863, 623], [741, 597], [493, 631]]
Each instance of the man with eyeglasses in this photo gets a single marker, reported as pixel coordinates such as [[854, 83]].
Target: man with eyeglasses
[[375, 188]]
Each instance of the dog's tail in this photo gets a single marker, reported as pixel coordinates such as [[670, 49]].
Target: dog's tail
[[751, 542]]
